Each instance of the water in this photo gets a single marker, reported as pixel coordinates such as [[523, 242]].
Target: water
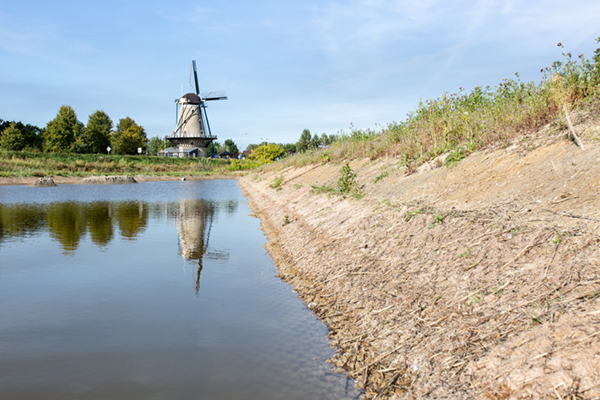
[[159, 290]]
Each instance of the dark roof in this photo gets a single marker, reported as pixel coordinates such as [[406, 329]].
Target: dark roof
[[226, 153], [192, 98]]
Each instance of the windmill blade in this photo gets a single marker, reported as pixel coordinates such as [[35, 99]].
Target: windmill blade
[[207, 123], [215, 95], [196, 77]]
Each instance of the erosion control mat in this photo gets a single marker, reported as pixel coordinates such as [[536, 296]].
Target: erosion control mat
[[439, 285]]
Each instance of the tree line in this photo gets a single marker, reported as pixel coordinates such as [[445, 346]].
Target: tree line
[[66, 134], [307, 141]]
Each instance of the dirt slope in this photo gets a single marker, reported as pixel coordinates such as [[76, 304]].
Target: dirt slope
[[477, 281]]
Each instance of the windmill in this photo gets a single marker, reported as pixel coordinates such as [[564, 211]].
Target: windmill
[[192, 135]]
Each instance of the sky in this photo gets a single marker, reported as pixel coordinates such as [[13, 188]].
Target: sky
[[286, 66]]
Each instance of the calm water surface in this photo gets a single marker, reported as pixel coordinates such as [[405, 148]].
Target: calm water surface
[[159, 290]]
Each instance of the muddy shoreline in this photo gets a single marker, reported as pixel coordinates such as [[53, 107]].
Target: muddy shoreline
[[433, 288], [70, 180]]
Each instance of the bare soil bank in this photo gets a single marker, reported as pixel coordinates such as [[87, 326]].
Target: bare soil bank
[[478, 281], [64, 180]]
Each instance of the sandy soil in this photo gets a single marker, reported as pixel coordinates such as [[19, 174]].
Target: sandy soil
[[477, 281]]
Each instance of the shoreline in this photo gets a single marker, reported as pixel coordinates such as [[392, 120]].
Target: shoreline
[[434, 288], [74, 180]]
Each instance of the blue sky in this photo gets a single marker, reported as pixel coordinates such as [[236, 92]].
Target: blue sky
[[286, 65]]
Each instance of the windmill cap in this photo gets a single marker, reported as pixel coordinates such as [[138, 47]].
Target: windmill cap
[[190, 98]]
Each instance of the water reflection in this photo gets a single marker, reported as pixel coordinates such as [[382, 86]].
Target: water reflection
[[100, 224], [69, 222]]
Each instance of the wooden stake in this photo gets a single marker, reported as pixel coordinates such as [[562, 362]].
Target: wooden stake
[[573, 134]]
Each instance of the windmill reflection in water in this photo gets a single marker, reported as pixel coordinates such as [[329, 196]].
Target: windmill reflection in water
[[194, 223]]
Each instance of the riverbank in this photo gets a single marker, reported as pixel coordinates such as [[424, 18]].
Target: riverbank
[[70, 180], [64, 166], [477, 281]]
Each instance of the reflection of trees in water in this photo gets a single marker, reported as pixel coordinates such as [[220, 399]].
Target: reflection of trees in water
[[69, 222], [100, 223], [21, 221], [132, 217]]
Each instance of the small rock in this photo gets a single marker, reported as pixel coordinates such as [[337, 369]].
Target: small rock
[[107, 180], [43, 182]]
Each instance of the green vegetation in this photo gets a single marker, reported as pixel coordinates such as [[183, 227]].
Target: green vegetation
[[461, 123], [31, 134], [277, 182], [96, 137], [347, 181], [12, 138], [266, 153], [23, 163], [128, 137], [64, 132], [237, 165], [381, 176], [346, 184]]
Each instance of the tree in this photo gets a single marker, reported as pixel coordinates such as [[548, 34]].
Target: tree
[[230, 146], [31, 133], [289, 148], [12, 138], [128, 137], [96, 136], [268, 152], [251, 147], [63, 133], [156, 144], [315, 142], [302, 144]]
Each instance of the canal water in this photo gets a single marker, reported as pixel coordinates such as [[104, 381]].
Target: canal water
[[159, 290]]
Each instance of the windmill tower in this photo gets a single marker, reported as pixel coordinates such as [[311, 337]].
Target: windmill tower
[[192, 136]]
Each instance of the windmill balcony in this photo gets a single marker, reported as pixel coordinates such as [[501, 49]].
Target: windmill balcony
[[174, 136]]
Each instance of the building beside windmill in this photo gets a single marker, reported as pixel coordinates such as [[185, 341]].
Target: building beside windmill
[[192, 136]]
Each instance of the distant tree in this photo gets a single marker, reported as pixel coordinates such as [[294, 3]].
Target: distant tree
[[315, 142], [96, 136], [157, 144], [12, 138], [251, 147], [31, 133], [289, 148], [302, 144], [268, 152], [230, 146], [128, 137], [63, 133]]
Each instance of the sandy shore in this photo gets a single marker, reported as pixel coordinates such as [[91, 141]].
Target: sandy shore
[[478, 281]]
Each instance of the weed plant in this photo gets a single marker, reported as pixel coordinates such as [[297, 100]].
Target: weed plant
[[462, 122]]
